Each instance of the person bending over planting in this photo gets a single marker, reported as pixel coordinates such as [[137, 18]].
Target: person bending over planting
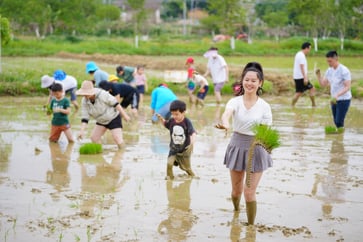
[[103, 107], [125, 94], [182, 137]]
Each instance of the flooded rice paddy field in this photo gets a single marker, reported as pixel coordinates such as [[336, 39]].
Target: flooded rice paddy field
[[49, 192]]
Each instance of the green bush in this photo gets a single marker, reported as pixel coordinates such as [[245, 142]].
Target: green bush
[[165, 44]]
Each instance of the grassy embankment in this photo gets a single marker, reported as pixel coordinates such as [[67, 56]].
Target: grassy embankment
[[26, 60]]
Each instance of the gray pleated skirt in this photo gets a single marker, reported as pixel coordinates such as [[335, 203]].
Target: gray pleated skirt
[[237, 154]]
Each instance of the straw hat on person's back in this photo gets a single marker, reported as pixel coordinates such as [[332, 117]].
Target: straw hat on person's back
[[86, 89]]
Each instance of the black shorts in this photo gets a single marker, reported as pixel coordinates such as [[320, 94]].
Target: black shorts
[[132, 99], [114, 124], [300, 86]]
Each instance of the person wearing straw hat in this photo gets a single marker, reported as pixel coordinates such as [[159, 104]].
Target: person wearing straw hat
[[105, 109], [98, 74]]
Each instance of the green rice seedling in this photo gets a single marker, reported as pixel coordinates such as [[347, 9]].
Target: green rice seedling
[[90, 148], [340, 130], [330, 130], [266, 137]]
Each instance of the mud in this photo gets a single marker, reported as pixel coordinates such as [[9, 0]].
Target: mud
[[49, 192]]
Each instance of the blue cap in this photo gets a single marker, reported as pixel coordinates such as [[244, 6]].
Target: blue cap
[[91, 66], [59, 75]]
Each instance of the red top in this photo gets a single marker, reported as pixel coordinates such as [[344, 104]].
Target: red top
[[190, 72]]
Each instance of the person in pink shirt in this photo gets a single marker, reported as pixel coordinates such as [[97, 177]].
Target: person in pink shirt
[[141, 83]]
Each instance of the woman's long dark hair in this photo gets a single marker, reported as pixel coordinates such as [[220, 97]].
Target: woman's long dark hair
[[251, 66]]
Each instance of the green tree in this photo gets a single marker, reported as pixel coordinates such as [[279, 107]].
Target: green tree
[[4, 34], [139, 16], [277, 21], [107, 14], [344, 13], [4, 31], [229, 14], [172, 9]]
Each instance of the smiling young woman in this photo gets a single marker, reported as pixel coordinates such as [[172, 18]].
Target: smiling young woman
[[247, 110]]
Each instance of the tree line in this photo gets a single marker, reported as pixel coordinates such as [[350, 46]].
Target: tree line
[[315, 18]]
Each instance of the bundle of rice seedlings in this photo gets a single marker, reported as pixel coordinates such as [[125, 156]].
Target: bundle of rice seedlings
[[266, 137], [330, 129], [333, 130], [90, 148], [47, 109]]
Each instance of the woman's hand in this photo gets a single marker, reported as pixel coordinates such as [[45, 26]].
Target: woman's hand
[[221, 126]]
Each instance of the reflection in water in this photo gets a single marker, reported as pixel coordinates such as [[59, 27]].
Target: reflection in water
[[160, 144], [236, 230], [60, 155], [333, 184], [99, 177], [131, 132], [180, 217], [5, 151]]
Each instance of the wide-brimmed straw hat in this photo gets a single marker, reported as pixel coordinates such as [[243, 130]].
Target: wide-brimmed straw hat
[[86, 89], [47, 81]]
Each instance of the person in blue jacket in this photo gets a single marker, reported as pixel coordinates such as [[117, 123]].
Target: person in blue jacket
[[161, 98]]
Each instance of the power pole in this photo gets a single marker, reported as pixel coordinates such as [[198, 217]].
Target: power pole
[[185, 18]]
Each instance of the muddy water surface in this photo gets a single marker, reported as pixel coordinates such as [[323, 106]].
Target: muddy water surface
[[48, 192]]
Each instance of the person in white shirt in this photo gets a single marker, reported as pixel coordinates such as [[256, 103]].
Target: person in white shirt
[[203, 86], [300, 75], [339, 78], [218, 69], [247, 109], [68, 82]]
